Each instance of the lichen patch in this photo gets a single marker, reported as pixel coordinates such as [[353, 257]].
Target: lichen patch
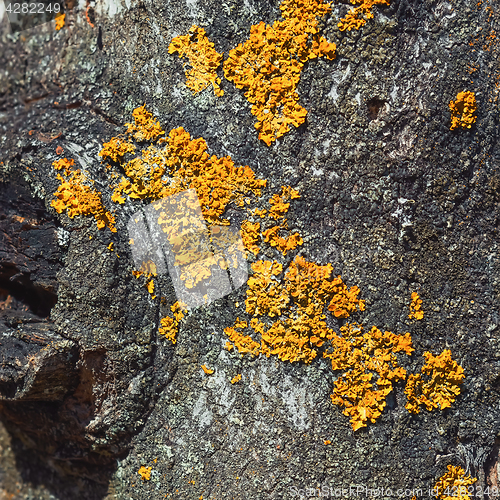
[[203, 59], [268, 65]]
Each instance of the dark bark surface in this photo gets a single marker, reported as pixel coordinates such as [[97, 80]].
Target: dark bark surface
[[394, 200]]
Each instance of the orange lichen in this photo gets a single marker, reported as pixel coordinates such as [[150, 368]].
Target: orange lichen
[[416, 307], [191, 242], [169, 328], [280, 203], [77, 196], [145, 126], [308, 282], [181, 163], [236, 379], [454, 485], [151, 289], [309, 289], [300, 300], [263, 283], [268, 65], [170, 325], [250, 234], [271, 234], [64, 163], [259, 213], [462, 110], [284, 245], [441, 389], [145, 473], [327, 441], [364, 355], [357, 17], [172, 166], [203, 59], [116, 149], [184, 163], [60, 20], [207, 370], [87, 17], [117, 197], [147, 268], [345, 301], [244, 343], [295, 339], [192, 251]]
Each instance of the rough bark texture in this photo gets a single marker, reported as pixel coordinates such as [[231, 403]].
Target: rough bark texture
[[389, 195]]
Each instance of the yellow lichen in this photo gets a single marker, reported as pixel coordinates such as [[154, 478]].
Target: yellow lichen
[[298, 336], [250, 234], [151, 289], [416, 307], [309, 282], [117, 197], [294, 339], [300, 300], [145, 473], [462, 110], [116, 149], [77, 196], [283, 245], [263, 283], [259, 212], [442, 387], [148, 268], [184, 163], [170, 325], [244, 343], [64, 163], [281, 203], [357, 17], [345, 301], [363, 356], [207, 370], [236, 379], [268, 65], [169, 328], [203, 59], [172, 166], [145, 126], [453, 485], [60, 21], [192, 247]]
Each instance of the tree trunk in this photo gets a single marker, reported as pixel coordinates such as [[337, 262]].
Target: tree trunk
[[397, 175]]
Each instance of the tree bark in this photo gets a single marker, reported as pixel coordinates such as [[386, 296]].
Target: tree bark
[[394, 200]]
